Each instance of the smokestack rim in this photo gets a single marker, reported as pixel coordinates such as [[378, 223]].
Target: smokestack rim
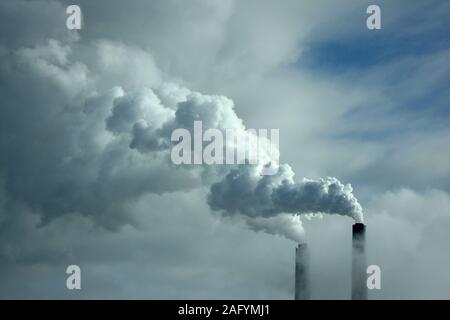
[[359, 227]]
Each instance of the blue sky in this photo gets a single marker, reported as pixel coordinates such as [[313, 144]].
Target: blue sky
[[406, 65]]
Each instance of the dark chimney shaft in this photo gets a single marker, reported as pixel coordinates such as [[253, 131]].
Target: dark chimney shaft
[[302, 287], [359, 277]]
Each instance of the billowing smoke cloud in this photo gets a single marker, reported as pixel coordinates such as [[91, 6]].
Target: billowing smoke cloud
[[236, 189], [246, 192], [288, 225], [263, 200], [318, 196], [95, 150]]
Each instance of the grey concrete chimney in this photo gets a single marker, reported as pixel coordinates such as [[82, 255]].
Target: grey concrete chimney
[[302, 285], [359, 264]]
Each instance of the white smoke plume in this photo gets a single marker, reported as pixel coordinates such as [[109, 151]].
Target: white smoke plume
[[114, 145], [244, 191], [264, 200], [288, 225]]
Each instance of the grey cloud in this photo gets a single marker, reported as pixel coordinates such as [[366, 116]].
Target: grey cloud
[[30, 22], [67, 161]]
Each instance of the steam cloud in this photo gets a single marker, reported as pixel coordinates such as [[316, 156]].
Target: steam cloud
[[244, 191], [240, 189], [288, 225], [115, 146]]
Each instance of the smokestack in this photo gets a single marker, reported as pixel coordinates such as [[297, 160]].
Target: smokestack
[[302, 289], [359, 285]]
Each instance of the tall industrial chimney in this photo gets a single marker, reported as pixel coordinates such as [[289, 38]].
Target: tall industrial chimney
[[359, 277], [302, 289]]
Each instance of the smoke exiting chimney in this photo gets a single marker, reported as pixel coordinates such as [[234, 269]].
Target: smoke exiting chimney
[[359, 286], [302, 289]]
